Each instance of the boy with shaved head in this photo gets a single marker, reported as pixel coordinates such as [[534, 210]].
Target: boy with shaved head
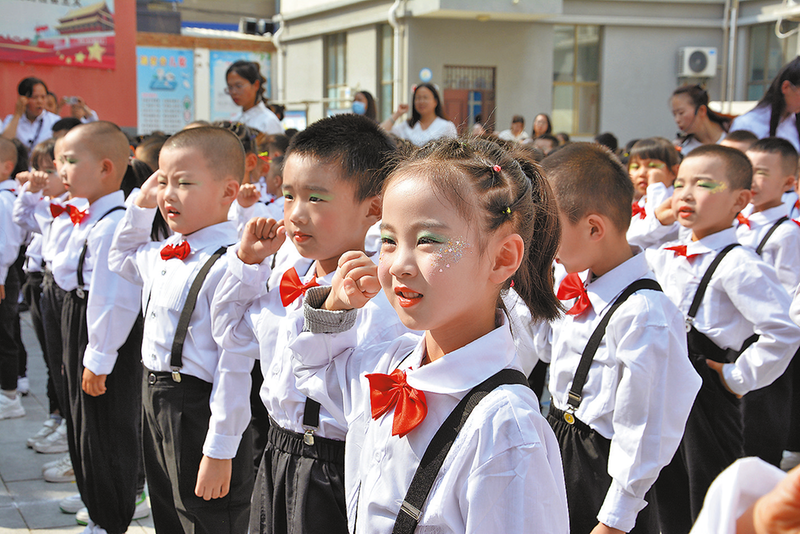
[[196, 394], [101, 334]]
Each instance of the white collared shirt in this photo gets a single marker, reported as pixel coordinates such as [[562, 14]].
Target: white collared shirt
[[417, 135], [743, 297], [166, 285], [503, 473], [249, 318], [31, 133], [112, 305], [261, 118], [10, 233], [757, 121], [648, 232], [640, 386], [782, 250], [32, 213]]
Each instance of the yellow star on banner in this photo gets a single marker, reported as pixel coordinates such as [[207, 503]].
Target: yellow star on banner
[[69, 61], [96, 52], [80, 57]]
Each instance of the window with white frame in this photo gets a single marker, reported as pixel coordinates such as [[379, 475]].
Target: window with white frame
[[768, 53], [576, 79], [336, 89], [385, 71]]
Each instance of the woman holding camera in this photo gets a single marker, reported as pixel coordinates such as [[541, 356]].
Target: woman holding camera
[[31, 123]]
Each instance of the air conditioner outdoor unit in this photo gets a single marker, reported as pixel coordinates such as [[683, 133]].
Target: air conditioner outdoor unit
[[697, 62]]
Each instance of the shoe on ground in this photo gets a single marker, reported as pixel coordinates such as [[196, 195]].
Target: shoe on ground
[[54, 463], [71, 504], [11, 408], [142, 509], [48, 428], [23, 386], [82, 517], [60, 473], [790, 460], [55, 442], [92, 528]]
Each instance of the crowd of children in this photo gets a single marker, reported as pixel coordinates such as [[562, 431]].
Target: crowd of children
[[336, 334]]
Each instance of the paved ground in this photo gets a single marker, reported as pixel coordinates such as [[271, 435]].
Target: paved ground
[[27, 502]]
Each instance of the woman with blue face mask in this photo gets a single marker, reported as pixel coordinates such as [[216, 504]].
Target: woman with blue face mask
[[364, 104]]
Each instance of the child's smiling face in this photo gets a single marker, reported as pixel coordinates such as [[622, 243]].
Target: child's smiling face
[[704, 200]]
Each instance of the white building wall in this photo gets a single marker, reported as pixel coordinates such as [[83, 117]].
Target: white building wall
[[521, 52], [362, 59], [304, 74], [638, 76]]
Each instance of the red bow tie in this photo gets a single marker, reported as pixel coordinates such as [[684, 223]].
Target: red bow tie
[[797, 204], [176, 251], [796, 222], [638, 210], [292, 287], [743, 220], [392, 391], [57, 209], [572, 287], [75, 215], [680, 250]]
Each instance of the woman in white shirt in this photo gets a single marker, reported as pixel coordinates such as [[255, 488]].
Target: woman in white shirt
[[775, 115], [427, 120], [699, 124], [246, 87], [31, 123]]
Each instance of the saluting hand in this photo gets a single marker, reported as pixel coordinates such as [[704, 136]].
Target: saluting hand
[[354, 284], [261, 238]]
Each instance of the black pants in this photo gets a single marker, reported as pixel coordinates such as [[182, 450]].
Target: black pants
[[767, 415], [584, 454], [712, 441], [51, 306], [9, 332], [259, 421], [176, 418], [793, 439], [299, 488], [104, 432], [32, 293]]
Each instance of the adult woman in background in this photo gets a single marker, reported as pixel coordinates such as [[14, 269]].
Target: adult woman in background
[[427, 120], [700, 124], [541, 126], [776, 114], [246, 87], [364, 104], [31, 123]]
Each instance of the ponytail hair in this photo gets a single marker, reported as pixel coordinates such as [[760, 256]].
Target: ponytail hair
[[699, 97], [498, 188], [250, 71], [773, 98]]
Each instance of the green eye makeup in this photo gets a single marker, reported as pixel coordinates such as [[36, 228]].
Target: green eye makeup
[[712, 186]]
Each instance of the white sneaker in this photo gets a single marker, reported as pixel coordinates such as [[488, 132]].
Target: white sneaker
[[60, 473], [71, 504], [92, 528], [55, 442], [48, 428], [55, 463], [11, 408], [82, 517], [23, 386], [790, 460], [142, 509]]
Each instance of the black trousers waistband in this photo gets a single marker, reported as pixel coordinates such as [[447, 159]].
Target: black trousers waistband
[[164, 379], [325, 449], [560, 415]]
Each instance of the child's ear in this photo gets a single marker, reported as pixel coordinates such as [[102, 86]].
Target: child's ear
[[250, 162], [507, 258], [8, 168], [674, 170], [742, 199], [374, 208], [107, 168], [789, 184], [231, 190], [596, 224]]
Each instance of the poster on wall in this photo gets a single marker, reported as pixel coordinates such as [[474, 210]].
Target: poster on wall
[[222, 107], [165, 87], [72, 33]]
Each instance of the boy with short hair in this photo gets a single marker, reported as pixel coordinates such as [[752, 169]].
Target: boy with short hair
[[727, 294], [333, 173], [100, 331], [10, 240], [620, 380], [195, 394]]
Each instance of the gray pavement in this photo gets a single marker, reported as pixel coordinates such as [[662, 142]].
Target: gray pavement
[[27, 502]]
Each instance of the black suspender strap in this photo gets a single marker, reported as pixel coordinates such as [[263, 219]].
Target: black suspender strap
[[574, 397], [701, 289], [435, 454], [310, 420], [176, 357], [79, 291], [32, 142], [775, 226]]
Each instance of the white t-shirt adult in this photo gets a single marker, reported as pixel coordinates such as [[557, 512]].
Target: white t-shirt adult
[[260, 118], [757, 121], [419, 136], [31, 133]]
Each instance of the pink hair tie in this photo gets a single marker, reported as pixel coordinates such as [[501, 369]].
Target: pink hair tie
[[497, 168]]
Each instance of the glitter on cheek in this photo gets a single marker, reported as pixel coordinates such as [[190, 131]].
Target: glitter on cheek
[[450, 253]]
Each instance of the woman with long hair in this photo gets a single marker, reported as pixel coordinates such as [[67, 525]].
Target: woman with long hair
[[427, 120], [699, 124], [246, 87]]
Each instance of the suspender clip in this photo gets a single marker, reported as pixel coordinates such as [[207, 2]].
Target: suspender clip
[[80, 293], [689, 324], [308, 437], [568, 415], [411, 510], [176, 374]]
